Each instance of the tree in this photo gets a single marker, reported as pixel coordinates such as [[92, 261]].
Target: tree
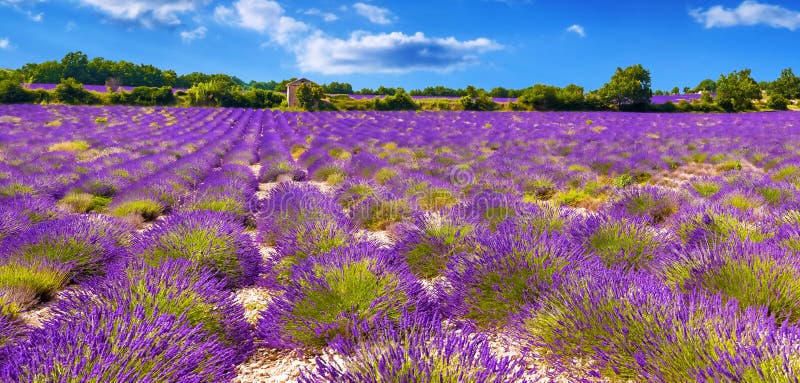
[[675, 90], [309, 96], [478, 99], [706, 85], [778, 102], [737, 90], [787, 85], [76, 66], [629, 87]]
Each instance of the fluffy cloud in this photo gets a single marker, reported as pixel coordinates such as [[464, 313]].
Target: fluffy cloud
[[577, 29], [5, 43], [263, 16], [149, 13], [388, 53], [327, 16], [747, 13], [198, 33], [374, 13]]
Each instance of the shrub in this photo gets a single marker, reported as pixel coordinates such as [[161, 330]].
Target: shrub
[[148, 208], [119, 344], [378, 214], [210, 240], [632, 327], [291, 206], [25, 282], [652, 203], [430, 241], [78, 202], [421, 349], [507, 272], [712, 225], [758, 275], [311, 239], [270, 172], [355, 191], [630, 244], [335, 294], [80, 241], [173, 288]]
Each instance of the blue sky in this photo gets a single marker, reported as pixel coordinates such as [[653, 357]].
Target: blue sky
[[488, 43]]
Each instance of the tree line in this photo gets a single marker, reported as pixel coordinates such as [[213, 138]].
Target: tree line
[[628, 89]]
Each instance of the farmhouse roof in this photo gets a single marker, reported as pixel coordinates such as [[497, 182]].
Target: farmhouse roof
[[299, 81]]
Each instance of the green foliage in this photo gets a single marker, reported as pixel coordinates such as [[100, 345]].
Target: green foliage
[[309, 96], [629, 87], [79, 202], [620, 244], [479, 100], [12, 93], [351, 291], [787, 86], [548, 97], [381, 213], [434, 199], [777, 102], [28, 281], [706, 86], [148, 209], [706, 188], [71, 92], [204, 247], [737, 90], [400, 100]]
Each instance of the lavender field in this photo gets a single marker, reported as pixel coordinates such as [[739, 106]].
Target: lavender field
[[149, 244]]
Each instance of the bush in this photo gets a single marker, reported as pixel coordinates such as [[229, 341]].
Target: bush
[[79, 241], [12, 93], [651, 203], [339, 296], [755, 275], [210, 240], [632, 327], [625, 242], [71, 92], [173, 288], [430, 242], [25, 282], [777, 102], [508, 271]]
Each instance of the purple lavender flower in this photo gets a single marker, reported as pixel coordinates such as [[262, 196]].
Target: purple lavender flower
[[210, 240], [175, 287], [333, 294], [119, 344], [507, 271], [420, 349]]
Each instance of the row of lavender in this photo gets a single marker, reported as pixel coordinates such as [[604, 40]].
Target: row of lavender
[[694, 282], [153, 305]]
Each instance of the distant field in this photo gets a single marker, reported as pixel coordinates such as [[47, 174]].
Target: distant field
[[229, 244]]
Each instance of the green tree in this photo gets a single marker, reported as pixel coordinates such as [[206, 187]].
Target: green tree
[[309, 96], [675, 90], [706, 85], [629, 87], [787, 85], [478, 99], [737, 90], [76, 66]]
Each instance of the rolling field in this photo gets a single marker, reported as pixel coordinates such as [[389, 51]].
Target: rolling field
[[150, 244]]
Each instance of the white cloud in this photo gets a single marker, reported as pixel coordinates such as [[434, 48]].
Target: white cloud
[[327, 16], [25, 6], [146, 12], [748, 13], [5, 43], [388, 53], [374, 14], [263, 16], [577, 29], [198, 33]]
